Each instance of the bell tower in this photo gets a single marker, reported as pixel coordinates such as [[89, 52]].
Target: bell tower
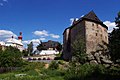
[[20, 36]]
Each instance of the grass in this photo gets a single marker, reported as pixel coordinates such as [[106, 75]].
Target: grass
[[33, 71], [37, 71]]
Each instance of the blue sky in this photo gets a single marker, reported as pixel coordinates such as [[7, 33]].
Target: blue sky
[[47, 19]]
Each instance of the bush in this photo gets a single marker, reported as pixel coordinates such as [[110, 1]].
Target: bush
[[54, 65], [85, 72], [11, 57], [32, 66]]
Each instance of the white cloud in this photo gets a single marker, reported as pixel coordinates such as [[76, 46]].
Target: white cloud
[[110, 25], [54, 36], [4, 34], [42, 39], [35, 42], [72, 19], [1, 4], [41, 33], [5, 0], [82, 15], [26, 42], [45, 33]]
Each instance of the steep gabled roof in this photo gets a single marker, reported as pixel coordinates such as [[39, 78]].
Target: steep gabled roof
[[92, 16]]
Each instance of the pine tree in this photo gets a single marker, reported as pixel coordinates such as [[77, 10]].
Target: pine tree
[[41, 47], [114, 40], [30, 48]]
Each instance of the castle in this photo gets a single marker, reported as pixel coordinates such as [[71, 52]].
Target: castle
[[89, 28]]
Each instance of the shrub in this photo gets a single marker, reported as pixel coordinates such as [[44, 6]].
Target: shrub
[[54, 65], [11, 57], [85, 72]]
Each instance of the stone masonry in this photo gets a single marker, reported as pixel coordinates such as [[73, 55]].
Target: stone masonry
[[90, 29]]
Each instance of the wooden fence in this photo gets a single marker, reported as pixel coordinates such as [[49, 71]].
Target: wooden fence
[[7, 69]]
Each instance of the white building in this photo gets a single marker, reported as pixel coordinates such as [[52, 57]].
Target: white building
[[47, 54], [13, 42], [2, 45]]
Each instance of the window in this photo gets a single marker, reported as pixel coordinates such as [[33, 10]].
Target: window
[[97, 24], [97, 27], [105, 38], [105, 30], [92, 24], [96, 34], [101, 35], [97, 30]]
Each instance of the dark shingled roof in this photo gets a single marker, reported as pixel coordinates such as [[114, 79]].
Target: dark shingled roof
[[92, 16]]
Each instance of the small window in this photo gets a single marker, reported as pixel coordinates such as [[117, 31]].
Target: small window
[[105, 30], [101, 35], [96, 34], [92, 24], [105, 38], [97, 27], [97, 24], [97, 30]]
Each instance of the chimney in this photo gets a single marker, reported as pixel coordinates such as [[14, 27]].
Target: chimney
[[75, 21]]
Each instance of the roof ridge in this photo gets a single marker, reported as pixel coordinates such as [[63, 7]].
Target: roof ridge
[[92, 16]]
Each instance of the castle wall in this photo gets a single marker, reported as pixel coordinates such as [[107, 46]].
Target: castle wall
[[95, 34], [78, 31], [66, 43]]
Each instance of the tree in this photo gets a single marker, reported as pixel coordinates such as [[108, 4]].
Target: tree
[[25, 53], [11, 57], [78, 51], [114, 40], [40, 47], [59, 47], [30, 48]]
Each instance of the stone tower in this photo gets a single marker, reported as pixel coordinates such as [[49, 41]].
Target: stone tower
[[89, 28]]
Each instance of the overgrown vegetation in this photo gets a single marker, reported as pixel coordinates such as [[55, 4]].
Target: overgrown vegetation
[[11, 57], [114, 40], [33, 71], [92, 72], [78, 53]]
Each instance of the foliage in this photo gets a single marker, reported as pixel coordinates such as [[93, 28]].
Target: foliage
[[59, 47], [25, 53], [11, 57], [30, 48], [41, 47], [31, 66], [78, 51], [34, 71], [117, 20], [114, 40], [92, 72], [53, 65]]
